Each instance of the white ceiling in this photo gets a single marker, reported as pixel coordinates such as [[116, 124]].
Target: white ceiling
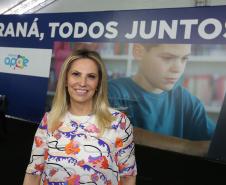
[[89, 5], [6, 4]]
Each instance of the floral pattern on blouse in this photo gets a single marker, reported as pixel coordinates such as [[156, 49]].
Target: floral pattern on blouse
[[74, 154]]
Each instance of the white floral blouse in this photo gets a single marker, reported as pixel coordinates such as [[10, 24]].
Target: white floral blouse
[[73, 154]]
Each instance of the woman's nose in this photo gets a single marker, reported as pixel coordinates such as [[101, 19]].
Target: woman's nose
[[83, 81]]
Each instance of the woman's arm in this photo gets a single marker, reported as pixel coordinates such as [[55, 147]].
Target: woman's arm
[[128, 180], [32, 179], [170, 143], [38, 152]]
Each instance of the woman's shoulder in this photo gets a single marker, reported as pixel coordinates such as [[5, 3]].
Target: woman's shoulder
[[44, 121], [115, 112], [120, 117]]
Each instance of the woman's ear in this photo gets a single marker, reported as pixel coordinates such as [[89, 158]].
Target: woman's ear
[[138, 51]]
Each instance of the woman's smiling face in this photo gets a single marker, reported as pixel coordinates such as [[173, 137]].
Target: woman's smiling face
[[82, 81]]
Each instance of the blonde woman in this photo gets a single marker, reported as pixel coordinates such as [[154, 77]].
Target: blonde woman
[[82, 140]]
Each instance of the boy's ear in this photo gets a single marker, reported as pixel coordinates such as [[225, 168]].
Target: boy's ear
[[138, 51]]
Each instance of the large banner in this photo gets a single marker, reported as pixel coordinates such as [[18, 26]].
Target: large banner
[[138, 48], [185, 25]]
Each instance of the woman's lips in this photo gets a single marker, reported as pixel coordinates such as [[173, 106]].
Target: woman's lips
[[81, 91]]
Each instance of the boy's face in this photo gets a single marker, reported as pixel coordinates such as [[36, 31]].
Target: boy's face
[[161, 66]]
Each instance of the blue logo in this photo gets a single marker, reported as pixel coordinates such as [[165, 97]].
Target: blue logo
[[16, 61]]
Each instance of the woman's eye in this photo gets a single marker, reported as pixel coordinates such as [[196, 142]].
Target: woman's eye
[[75, 74], [91, 76]]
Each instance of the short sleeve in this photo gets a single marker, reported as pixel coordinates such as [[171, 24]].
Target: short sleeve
[[204, 125], [125, 148], [198, 125], [39, 149]]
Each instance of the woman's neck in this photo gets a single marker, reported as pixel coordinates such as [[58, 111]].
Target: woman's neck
[[81, 109]]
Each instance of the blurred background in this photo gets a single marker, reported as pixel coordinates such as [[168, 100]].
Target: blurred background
[[204, 75]]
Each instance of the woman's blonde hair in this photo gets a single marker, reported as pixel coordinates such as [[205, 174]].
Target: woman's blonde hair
[[61, 100]]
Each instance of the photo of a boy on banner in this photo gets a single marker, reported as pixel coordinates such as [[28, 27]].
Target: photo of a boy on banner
[[165, 114]]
